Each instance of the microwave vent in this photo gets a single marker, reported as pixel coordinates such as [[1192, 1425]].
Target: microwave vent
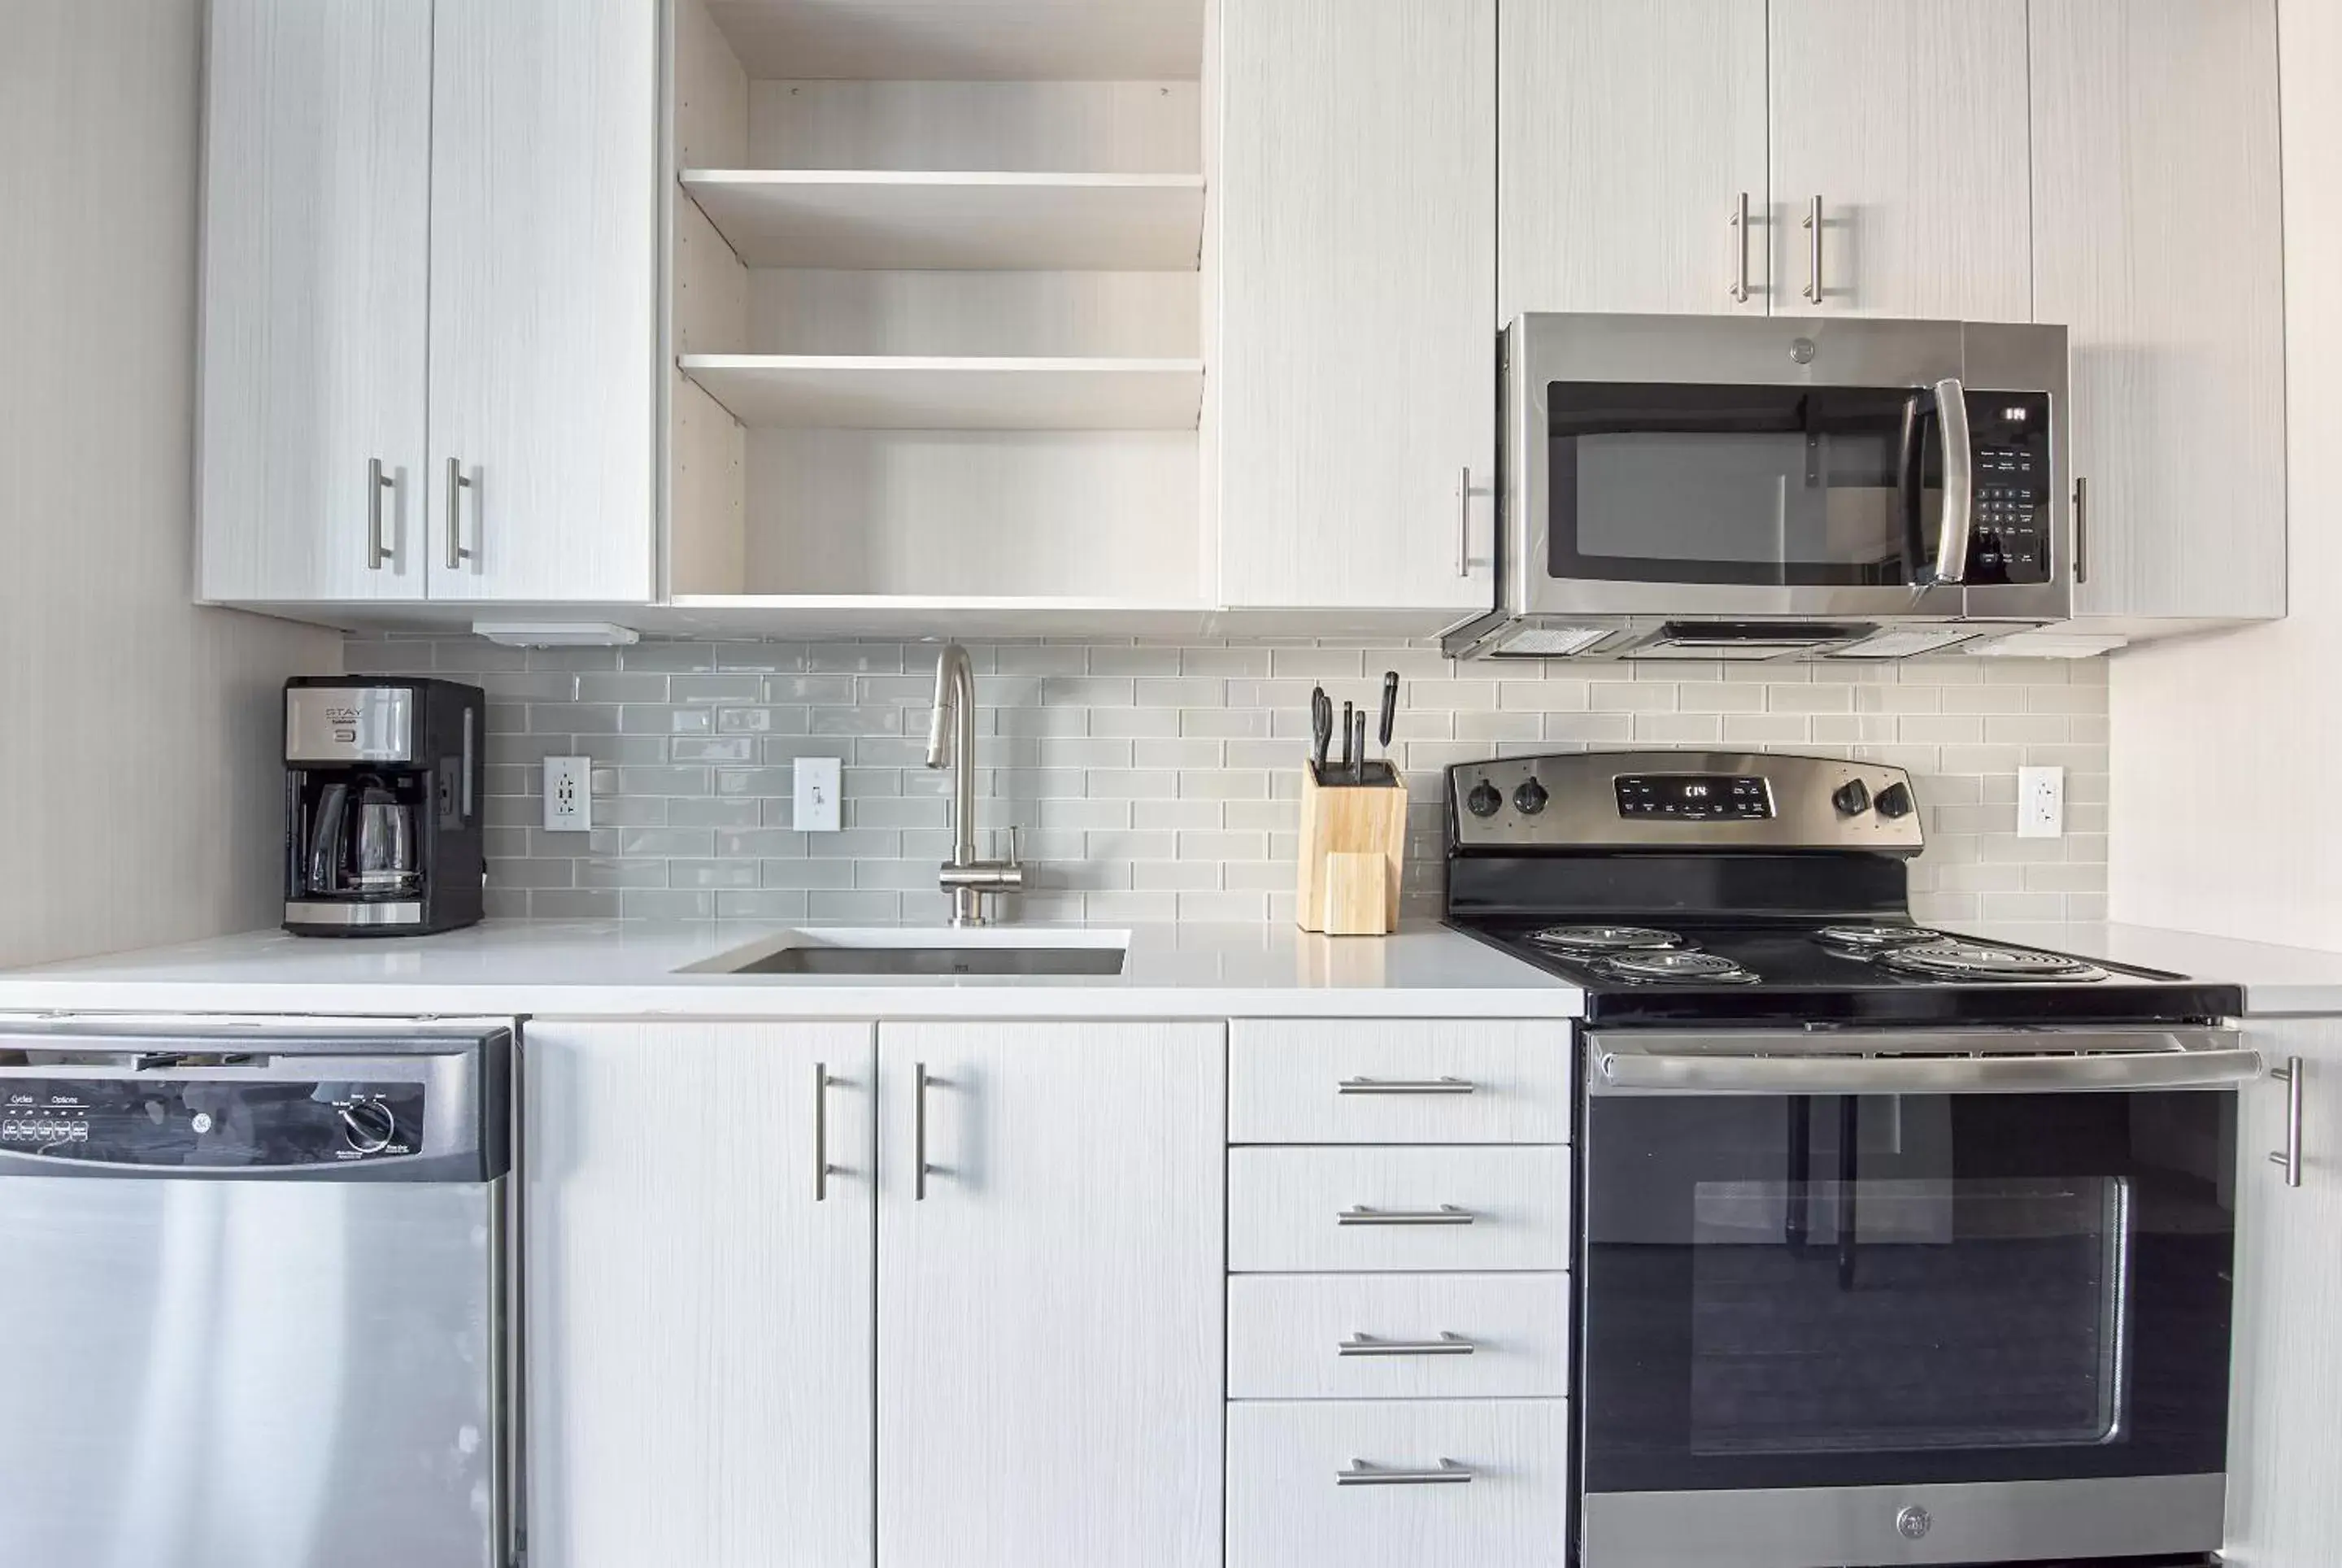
[[1532, 641], [1903, 642]]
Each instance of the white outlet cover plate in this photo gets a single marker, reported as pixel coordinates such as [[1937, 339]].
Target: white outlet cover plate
[[2040, 802], [568, 794], [814, 804]]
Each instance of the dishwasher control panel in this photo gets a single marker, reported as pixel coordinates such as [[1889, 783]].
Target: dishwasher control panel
[[190, 1124]]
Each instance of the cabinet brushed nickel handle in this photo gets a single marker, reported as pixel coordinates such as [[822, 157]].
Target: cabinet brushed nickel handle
[[378, 548], [1361, 1474], [821, 1131], [1447, 1344], [919, 1136], [457, 483], [2291, 1075], [2081, 530], [1739, 289], [1464, 524], [1406, 1086], [1813, 227], [1446, 1214]]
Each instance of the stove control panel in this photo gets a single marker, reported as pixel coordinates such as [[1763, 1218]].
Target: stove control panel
[[1689, 800]]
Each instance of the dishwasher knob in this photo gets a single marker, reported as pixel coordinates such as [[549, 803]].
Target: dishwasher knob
[[1852, 798], [368, 1126], [1530, 798], [1895, 800], [1484, 800]]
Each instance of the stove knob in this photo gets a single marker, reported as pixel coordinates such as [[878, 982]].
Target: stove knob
[[1852, 798], [1485, 800], [1895, 800], [1530, 798], [368, 1126]]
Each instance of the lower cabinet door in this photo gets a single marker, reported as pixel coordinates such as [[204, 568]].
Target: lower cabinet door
[[699, 1303], [1050, 1295], [1375, 1484]]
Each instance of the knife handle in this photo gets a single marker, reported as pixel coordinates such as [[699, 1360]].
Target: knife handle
[[1349, 718], [1390, 707]]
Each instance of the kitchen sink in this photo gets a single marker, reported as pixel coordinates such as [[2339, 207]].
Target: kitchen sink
[[943, 953]]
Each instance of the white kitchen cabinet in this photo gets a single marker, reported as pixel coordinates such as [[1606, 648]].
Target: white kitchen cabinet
[[1354, 385], [2283, 1438], [545, 278], [2158, 238], [316, 180], [1906, 120], [1631, 132], [699, 1312], [1049, 1311]]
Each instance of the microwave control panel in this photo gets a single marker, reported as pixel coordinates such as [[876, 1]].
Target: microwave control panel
[[2008, 434]]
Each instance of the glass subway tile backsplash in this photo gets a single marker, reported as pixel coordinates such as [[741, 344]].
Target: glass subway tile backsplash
[[1157, 782]]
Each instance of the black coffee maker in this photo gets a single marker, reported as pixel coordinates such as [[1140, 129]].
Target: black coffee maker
[[383, 795]]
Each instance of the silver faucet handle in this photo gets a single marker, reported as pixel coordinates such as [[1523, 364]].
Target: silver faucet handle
[[1014, 859]]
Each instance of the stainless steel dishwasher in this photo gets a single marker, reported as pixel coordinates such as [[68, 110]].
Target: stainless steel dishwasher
[[258, 1302]]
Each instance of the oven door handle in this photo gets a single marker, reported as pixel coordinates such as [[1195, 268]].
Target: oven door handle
[[1919, 1061]]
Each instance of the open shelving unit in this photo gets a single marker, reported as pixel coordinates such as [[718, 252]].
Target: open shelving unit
[[936, 310]]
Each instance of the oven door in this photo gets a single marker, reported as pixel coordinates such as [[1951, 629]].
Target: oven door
[[1901, 1323], [1736, 470]]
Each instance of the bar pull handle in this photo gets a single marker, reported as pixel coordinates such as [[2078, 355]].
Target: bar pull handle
[[457, 483], [1447, 1474], [1446, 1214], [1960, 482], [821, 1131], [2081, 530], [1447, 1344], [2291, 1075], [1739, 290], [1464, 524], [378, 548], [1406, 1086], [1813, 227], [919, 1135]]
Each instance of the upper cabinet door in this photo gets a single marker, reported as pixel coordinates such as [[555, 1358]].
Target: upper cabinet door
[[317, 166], [2158, 240], [1050, 1302], [1355, 266], [1906, 120], [1633, 146], [545, 210]]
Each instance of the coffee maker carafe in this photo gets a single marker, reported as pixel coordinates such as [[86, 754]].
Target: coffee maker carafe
[[383, 785]]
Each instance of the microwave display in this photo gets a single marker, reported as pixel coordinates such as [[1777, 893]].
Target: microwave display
[[1785, 486]]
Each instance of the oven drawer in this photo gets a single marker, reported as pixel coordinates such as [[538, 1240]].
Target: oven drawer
[[1398, 1336], [1336, 1209], [1405, 1501], [1307, 1081]]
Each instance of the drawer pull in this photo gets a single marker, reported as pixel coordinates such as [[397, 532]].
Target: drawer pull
[[1446, 1214], [1447, 1344], [1406, 1086], [1361, 1474]]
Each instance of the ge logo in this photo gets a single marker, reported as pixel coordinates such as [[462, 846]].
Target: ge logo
[[1914, 1523]]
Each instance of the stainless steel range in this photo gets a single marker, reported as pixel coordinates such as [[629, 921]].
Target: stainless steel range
[[1894, 1246]]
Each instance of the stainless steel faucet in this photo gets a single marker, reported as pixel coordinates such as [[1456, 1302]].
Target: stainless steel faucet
[[951, 743]]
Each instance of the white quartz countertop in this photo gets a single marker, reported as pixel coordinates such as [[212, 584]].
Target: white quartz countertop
[[2278, 980], [629, 970]]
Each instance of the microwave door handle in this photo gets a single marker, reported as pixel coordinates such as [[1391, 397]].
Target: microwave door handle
[[1959, 483], [1911, 489]]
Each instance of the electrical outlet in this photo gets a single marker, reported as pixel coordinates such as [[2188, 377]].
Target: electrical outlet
[[2041, 802], [568, 794], [813, 809]]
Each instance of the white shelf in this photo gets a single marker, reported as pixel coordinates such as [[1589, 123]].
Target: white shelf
[[966, 40], [959, 221], [892, 392]]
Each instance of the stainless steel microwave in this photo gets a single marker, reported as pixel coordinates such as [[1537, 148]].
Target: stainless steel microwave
[[1722, 488]]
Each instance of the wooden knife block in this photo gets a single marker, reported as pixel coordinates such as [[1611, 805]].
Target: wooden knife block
[[1353, 843]]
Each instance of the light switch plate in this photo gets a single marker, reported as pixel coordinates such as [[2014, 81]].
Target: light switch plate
[[2041, 802], [568, 794], [813, 809]]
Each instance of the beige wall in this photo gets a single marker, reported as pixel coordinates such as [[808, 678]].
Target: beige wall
[[2226, 757], [138, 794]]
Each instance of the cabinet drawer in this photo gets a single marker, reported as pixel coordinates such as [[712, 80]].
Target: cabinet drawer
[[1398, 1336], [1288, 1505], [1343, 1082], [1335, 1210]]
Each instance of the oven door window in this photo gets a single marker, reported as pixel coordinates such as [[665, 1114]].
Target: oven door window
[[1828, 1291], [1769, 486]]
